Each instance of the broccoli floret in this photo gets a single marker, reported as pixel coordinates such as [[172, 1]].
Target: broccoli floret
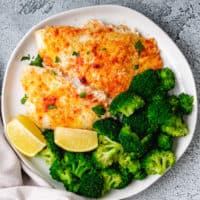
[[126, 178], [159, 95], [108, 127], [60, 172], [147, 142], [127, 161], [175, 127], [129, 140], [174, 102], [158, 161], [112, 179], [99, 110], [79, 163], [126, 103], [145, 83], [107, 152], [165, 141], [91, 185], [167, 78], [139, 123], [141, 174], [186, 103], [158, 112], [51, 152]]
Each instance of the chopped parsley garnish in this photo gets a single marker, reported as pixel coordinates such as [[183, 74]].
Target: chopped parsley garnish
[[83, 94], [51, 106], [37, 61], [53, 72], [88, 52], [104, 49], [75, 53], [57, 59], [99, 110], [136, 67], [139, 46], [26, 57], [24, 99]]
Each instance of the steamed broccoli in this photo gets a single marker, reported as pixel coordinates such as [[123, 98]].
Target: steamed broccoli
[[147, 142], [175, 126], [139, 123], [167, 79], [129, 140], [158, 161], [91, 185], [108, 127], [112, 178], [158, 112], [127, 161], [186, 103], [159, 95], [107, 152], [126, 178], [165, 141], [60, 172], [145, 83], [126, 103], [174, 103], [51, 152], [141, 174]]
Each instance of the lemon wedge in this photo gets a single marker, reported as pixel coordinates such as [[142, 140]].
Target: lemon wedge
[[25, 136], [75, 140]]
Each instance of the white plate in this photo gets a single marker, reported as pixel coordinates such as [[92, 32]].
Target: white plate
[[12, 90]]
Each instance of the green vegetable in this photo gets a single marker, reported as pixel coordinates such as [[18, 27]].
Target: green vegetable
[[141, 174], [51, 107], [136, 67], [158, 161], [126, 103], [37, 61], [83, 94], [186, 103], [165, 141], [145, 84], [24, 99], [107, 152], [91, 185], [108, 127], [75, 53], [57, 59], [139, 123], [25, 57], [99, 110], [175, 127], [129, 140], [174, 103], [139, 46], [167, 79], [128, 162]]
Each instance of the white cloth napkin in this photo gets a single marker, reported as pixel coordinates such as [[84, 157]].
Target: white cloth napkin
[[16, 185]]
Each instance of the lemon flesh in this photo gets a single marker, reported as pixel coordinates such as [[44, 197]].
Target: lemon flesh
[[75, 140], [25, 136]]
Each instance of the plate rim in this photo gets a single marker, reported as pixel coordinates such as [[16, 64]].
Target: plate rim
[[46, 20]]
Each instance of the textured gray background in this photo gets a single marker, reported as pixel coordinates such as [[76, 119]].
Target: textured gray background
[[180, 19]]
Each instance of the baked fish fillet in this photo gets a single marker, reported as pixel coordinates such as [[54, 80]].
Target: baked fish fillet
[[54, 101], [101, 56]]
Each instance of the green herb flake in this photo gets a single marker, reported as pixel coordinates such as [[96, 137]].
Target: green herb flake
[[37, 61], [75, 53], [104, 49], [88, 52], [139, 46], [83, 94], [28, 57], [57, 59], [51, 107], [53, 72], [24, 99], [136, 67], [99, 110]]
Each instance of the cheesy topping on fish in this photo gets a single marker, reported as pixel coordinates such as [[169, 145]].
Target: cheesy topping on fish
[[54, 101], [103, 57]]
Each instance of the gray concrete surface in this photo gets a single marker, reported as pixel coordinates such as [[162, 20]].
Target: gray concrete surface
[[179, 18]]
